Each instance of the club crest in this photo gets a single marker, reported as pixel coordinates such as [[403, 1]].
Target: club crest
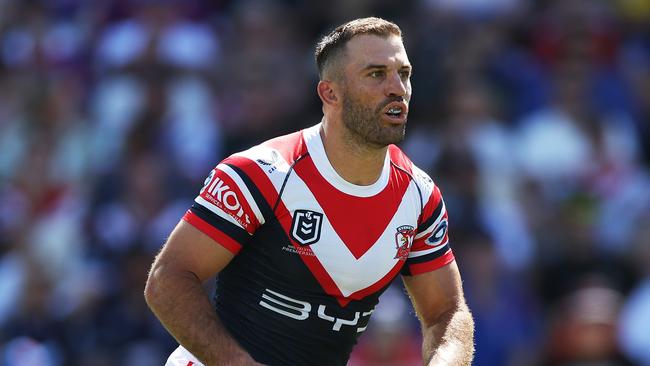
[[403, 241], [306, 225]]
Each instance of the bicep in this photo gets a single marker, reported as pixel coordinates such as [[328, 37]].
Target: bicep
[[189, 249], [436, 292]]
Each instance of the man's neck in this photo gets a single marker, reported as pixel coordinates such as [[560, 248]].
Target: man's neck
[[355, 162]]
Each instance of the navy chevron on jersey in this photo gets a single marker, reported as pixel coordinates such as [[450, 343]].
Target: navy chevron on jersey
[[313, 251]]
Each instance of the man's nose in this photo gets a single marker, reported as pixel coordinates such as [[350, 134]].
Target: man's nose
[[396, 85]]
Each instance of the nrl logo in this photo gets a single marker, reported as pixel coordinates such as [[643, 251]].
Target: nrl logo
[[403, 241], [306, 225]]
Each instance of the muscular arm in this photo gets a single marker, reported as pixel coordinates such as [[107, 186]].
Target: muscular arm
[[175, 294], [447, 325]]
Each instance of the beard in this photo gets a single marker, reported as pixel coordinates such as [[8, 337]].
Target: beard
[[365, 125]]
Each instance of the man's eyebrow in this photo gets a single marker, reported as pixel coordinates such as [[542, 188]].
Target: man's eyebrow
[[375, 66], [378, 66]]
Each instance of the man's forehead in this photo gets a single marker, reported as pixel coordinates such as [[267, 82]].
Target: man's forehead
[[377, 50]]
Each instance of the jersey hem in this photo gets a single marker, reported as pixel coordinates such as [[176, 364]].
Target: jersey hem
[[419, 268], [215, 234]]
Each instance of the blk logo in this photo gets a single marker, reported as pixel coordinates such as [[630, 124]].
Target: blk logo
[[270, 165], [306, 225]]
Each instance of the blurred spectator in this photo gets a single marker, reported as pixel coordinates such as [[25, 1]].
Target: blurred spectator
[[269, 68], [583, 141], [154, 66], [633, 332], [582, 328], [505, 309], [476, 9], [390, 338], [533, 118], [25, 351], [140, 214]]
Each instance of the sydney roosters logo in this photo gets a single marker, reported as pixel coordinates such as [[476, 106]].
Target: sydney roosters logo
[[403, 241]]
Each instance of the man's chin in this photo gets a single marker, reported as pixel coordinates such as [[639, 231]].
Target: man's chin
[[395, 135], [399, 134]]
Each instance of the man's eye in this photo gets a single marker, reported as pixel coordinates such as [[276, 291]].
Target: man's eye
[[376, 74], [405, 74]]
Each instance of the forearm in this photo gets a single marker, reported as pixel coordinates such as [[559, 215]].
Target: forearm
[[182, 306], [450, 341]]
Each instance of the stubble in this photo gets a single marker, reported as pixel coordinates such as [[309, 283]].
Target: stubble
[[365, 125]]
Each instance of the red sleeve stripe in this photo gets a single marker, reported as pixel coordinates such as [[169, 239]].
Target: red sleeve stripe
[[218, 211], [244, 190], [442, 261], [256, 176], [431, 218], [215, 234]]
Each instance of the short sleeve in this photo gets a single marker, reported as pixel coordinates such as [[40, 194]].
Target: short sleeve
[[430, 249], [225, 210]]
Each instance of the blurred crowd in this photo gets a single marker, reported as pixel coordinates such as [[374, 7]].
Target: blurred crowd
[[532, 116]]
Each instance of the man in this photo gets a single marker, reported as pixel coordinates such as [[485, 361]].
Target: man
[[305, 231]]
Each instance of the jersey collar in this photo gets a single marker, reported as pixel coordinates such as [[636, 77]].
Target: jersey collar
[[316, 150]]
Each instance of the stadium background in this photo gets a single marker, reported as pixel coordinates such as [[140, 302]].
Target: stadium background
[[532, 116]]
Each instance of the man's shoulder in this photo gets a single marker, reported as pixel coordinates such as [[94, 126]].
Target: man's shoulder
[[270, 154], [290, 146], [401, 160]]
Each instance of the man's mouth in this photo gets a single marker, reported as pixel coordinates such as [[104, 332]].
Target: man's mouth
[[396, 112]]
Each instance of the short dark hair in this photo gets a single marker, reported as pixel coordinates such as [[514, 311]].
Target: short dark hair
[[334, 43]]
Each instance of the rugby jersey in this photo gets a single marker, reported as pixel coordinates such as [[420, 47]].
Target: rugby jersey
[[313, 251]]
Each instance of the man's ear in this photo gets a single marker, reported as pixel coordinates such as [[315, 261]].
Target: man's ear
[[327, 92]]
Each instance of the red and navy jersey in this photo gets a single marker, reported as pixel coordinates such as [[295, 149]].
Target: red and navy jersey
[[313, 251]]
